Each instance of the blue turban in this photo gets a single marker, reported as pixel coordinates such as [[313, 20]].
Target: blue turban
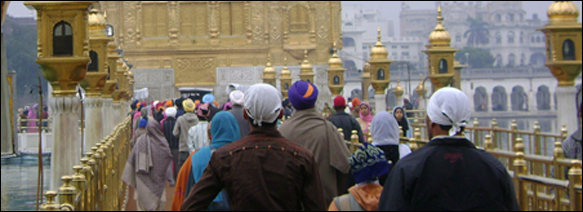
[[143, 123], [208, 98], [368, 163], [134, 105], [303, 95]]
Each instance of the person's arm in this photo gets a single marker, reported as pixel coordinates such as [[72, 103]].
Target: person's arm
[[192, 138], [205, 190], [394, 196], [313, 196], [176, 130]]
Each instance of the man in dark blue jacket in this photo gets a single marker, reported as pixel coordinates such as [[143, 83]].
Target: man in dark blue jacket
[[449, 173], [345, 121]]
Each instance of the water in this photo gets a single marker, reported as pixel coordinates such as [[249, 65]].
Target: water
[[19, 179]]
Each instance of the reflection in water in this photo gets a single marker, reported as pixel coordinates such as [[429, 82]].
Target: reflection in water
[[19, 179]]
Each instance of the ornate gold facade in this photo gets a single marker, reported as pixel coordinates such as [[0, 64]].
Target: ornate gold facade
[[194, 38]]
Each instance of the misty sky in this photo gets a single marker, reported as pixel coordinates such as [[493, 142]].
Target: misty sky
[[389, 9]]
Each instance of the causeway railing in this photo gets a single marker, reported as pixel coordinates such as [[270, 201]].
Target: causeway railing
[[95, 184], [540, 178]]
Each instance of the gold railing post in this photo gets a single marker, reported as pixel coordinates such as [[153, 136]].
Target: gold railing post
[[488, 143], [575, 181], [98, 180], [494, 132], [520, 169], [477, 137], [79, 184], [50, 205], [353, 141], [413, 142], [67, 194], [514, 128], [87, 171], [400, 132], [106, 175], [537, 141], [341, 131], [93, 183]]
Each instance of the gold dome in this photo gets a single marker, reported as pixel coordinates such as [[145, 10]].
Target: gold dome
[[306, 64], [563, 11], [420, 88], [268, 68], [96, 20], [439, 34], [379, 50], [398, 90], [335, 61]]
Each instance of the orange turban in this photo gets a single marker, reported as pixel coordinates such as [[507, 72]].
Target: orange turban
[[355, 102]]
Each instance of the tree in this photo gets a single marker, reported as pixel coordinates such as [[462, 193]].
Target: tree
[[478, 32], [479, 58]]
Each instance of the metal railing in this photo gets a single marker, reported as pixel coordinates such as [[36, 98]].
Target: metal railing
[[96, 184]]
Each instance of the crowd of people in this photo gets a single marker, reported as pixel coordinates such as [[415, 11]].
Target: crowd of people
[[29, 118], [241, 156]]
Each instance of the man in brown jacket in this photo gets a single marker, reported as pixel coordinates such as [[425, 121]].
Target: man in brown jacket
[[308, 128], [264, 170]]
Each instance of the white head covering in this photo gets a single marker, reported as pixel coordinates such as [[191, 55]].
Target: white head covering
[[449, 107], [384, 129], [237, 97], [262, 103], [170, 112]]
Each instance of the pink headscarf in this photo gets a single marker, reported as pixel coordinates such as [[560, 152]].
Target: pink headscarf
[[32, 127], [367, 118]]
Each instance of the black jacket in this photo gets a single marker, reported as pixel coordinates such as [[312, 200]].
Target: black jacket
[[448, 173], [347, 123], [168, 126]]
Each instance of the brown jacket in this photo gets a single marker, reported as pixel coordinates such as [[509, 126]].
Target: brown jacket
[[309, 129], [263, 171], [366, 195]]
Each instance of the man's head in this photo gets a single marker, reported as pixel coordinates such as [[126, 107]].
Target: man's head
[[188, 106], [339, 103], [448, 111], [262, 105], [303, 95], [237, 97], [170, 112], [208, 98]]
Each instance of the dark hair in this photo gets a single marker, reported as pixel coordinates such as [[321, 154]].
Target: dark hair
[[339, 108], [446, 128], [264, 124]]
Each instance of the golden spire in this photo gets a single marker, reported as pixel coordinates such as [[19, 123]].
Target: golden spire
[[439, 36], [379, 51], [285, 71], [420, 88], [335, 61], [563, 11], [306, 64], [398, 90], [268, 70]]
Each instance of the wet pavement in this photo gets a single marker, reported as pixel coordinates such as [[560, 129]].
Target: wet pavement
[[19, 182]]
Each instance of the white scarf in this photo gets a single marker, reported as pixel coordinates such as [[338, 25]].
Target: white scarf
[[262, 103], [449, 107]]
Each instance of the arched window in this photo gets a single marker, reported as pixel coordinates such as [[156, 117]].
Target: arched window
[[458, 37], [499, 99], [442, 66], [532, 39], [511, 37], [62, 39], [521, 37], [348, 41], [286, 86], [511, 60], [498, 38], [350, 67], [543, 98], [336, 80], [538, 39], [497, 17], [299, 19], [568, 50], [498, 60], [537, 59], [94, 63], [519, 99], [381, 74], [522, 59], [481, 99], [510, 17], [391, 98]]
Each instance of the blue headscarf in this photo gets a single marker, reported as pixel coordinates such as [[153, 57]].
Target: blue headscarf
[[368, 163], [224, 130]]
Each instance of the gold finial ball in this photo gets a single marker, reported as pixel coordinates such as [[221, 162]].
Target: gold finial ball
[[379, 50], [563, 11], [398, 90], [366, 67], [439, 34], [335, 60], [268, 68]]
